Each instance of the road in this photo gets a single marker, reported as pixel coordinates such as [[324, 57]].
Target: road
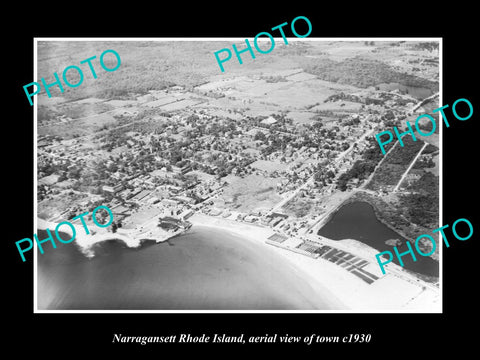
[[366, 182], [311, 180], [424, 101], [410, 166]]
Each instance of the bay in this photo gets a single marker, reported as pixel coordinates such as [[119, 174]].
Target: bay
[[204, 269]]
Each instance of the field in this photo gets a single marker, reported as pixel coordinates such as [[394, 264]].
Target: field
[[303, 205], [252, 193], [436, 169], [344, 106], [365, 70], [180, 104], [263, 98], [53, 207], [144, 214], [269, 166], [290, 95], [302, 117], [84, 126], [162, 101], [288, 80], [155, 65]]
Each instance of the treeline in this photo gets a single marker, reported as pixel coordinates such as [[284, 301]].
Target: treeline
[[274, 79], [430, 45], [421, 206], [45, 113], [423, 163], [343, 96], [362, 72], [396, 216], [404, 155], [430, 148], [156, 66], [362, 169], [395, 164]]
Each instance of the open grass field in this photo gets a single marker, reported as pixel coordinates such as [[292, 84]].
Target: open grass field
[[177, 105], [302, 117], [269, 166], [53, 207], [342, 106], [251, 193], [84, 126], [294, 95], [435, 170], [300, 207], [141, 216], [162, 101]]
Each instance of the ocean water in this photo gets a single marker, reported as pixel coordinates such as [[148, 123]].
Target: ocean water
[[204, 269], [357, 220]]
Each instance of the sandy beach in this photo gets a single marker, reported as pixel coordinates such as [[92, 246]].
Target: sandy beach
[[258, 235], [335, 287], [341, 289]]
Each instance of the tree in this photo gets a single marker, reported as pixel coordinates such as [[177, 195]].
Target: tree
[[74, 173], [62, 177], [260, 136], [113, 167], [342, 183], [76, 185], [97, 190]]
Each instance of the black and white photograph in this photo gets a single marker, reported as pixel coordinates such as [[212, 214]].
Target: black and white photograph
[[261, 187], [202, 180]]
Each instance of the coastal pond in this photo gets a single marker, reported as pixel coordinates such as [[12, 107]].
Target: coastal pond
[[418, 93], [357, 220]]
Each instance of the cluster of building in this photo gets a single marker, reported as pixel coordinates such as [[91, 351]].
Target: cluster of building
[[177, 160]]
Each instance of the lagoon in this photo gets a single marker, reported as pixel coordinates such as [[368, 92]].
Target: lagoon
[[357, 220]]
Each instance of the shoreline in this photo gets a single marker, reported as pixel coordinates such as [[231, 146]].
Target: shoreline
[[335, 287], [371, 200], [257, 235], [361, 196], [331, 282], [96, 234]]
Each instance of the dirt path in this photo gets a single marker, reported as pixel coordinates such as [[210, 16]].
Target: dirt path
[[411, 165]]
